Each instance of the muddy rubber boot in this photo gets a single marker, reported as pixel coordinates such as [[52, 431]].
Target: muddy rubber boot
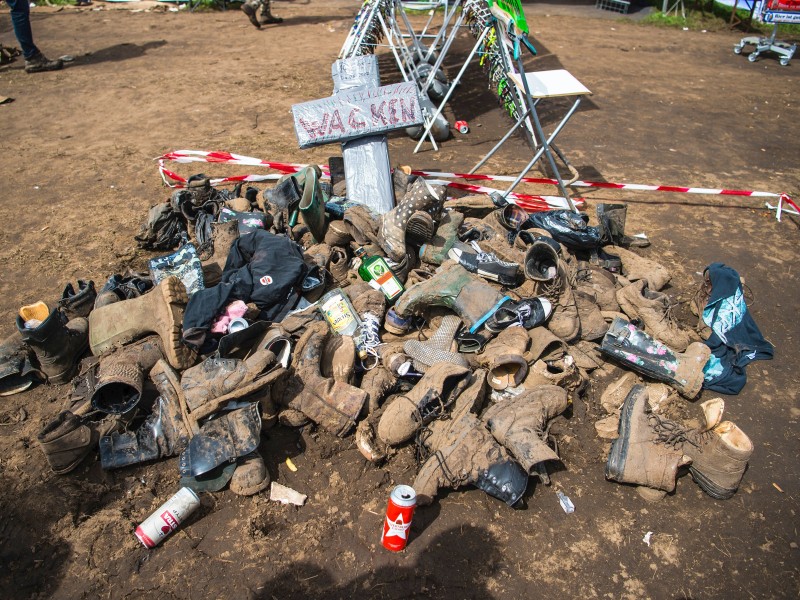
[[57, 343], [654, 309], [121, 375], [392, 231], [78, 303], [377, 383], [331, 404], [719, 459], [251, 475], [267, 18], [520, 424], [223, 236], [312, 201], [435, 251], [339, 358], [164, 433], [160, 311], [453, 287], [250, 7], [430, 398], [635, 267], [612, 226], [648, 449], [504, 358], [635, 350], [437, 348], [68, 439], [461, 451]]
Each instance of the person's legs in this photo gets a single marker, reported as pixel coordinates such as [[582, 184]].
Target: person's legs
[[21, 20]]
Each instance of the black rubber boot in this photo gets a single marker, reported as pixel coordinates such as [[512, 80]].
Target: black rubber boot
[[57, 343]]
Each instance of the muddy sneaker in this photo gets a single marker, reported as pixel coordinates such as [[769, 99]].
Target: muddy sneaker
[[251, 475], [39, 63], [485, 264]]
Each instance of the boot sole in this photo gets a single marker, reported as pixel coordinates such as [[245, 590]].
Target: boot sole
[[709, 487], [615, 465], [175, 298], [502, 280]]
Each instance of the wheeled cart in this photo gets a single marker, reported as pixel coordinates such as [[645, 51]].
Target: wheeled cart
[[765, 44]]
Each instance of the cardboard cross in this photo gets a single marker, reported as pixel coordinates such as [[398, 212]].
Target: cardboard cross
[[358, 114]]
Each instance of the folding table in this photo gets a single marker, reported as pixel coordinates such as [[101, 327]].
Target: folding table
[[538, 86]]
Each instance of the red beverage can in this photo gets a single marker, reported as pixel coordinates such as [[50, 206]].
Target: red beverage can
[[462, 126], [167, 517], [402, 502]]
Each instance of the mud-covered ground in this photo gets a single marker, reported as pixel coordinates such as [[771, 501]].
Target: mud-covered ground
[[669, 107]]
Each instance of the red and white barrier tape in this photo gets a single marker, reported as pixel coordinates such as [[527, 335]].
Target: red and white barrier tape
[[620, 186], [529, 202]]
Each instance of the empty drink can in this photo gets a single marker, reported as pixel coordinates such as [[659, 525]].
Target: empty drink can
[[167, 517], [399, 512], [462, 126]]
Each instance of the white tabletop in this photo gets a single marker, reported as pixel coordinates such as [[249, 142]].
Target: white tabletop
[[549, 84]]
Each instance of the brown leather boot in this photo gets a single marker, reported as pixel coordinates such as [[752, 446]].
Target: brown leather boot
[[57, 343], [649, 448], [635, 267], [159, 311], [719, 459], [432, 397], [121, 375], [69, 438], [333, 405], [504, 358], [461, 451], [223, 236], [654, 309], [520, 424], [251, 475]]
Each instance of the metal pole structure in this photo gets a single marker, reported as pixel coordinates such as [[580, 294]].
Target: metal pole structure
[[453, 86]]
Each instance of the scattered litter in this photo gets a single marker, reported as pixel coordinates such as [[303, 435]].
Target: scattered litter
[[647, 537], [565, 502], [285, 495], [291, 465], [167, 517], [777, 487]]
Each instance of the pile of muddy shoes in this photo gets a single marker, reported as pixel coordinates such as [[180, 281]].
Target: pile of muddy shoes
[[461, 329]]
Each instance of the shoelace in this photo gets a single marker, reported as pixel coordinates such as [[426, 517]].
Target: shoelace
[[672, 434], [487, 257], [369, 340]]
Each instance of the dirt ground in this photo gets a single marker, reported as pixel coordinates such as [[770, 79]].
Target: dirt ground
[[669, 106]]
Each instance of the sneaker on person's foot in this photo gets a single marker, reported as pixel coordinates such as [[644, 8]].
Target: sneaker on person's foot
[[39, 62], [485, 264]]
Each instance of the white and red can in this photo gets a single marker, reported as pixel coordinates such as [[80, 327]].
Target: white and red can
[[402, 502], [462, 126], [167, 517]]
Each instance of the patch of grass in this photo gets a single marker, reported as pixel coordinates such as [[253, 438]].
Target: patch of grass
[[715, 17]]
